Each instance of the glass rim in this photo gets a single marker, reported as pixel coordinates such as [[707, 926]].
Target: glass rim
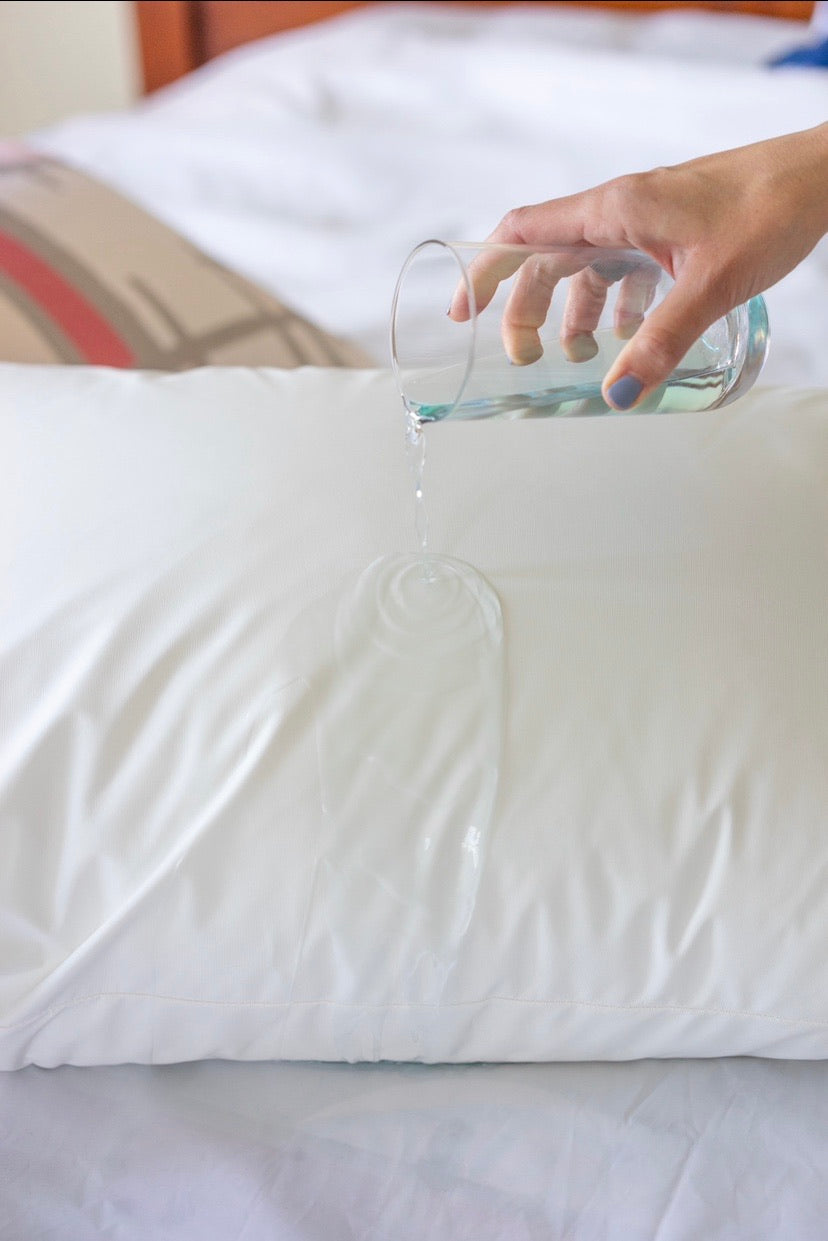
[[547, 247], [397, 369]]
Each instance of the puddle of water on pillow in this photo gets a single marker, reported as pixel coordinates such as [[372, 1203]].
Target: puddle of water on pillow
[[406, 667]]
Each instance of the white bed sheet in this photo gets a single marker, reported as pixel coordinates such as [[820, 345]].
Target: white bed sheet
[[328, 154], [314, 162], [727, 1150]]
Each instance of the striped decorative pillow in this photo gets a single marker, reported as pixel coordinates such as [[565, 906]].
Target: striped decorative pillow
[[86, 276]]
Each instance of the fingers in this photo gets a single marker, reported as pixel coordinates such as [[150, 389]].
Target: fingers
[[659, 345], [587, 297], [560, 221], [585, 301], [485, 272], [635, 297], [528, 303], [536, 278]]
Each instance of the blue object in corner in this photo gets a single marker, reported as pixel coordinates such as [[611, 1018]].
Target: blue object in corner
[[814, 56]]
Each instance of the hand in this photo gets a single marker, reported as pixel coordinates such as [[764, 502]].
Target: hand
[[725, 227]]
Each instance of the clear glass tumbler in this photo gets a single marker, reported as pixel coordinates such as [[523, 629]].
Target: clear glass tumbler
[[489, 330]]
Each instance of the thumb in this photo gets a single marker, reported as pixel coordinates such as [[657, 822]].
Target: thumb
[[658, 346]]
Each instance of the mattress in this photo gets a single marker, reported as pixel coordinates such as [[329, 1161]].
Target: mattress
[[326, 155]]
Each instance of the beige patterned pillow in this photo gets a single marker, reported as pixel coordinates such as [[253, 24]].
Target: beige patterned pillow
[[86, 276]]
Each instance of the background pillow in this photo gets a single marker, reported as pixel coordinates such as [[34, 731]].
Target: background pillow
[[206, 849], [87, 276]]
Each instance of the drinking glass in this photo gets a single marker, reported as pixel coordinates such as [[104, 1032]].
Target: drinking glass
[[482, 330]]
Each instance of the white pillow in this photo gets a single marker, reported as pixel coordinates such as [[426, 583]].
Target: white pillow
[[650, 876]]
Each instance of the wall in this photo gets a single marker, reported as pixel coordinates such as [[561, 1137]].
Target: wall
[[61, 57]]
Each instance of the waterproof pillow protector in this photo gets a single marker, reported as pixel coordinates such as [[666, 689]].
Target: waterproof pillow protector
[[248, 810]]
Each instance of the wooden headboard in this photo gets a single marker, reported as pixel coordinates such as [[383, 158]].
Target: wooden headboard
[[179, 35]]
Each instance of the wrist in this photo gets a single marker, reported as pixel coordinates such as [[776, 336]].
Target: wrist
[[806, 180]]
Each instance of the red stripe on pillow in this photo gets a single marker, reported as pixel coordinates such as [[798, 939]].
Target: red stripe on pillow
[[77, 318]]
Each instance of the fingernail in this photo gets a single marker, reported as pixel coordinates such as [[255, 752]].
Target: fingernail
[[526, 356], [627, 328], [581, 347], [625, 391]]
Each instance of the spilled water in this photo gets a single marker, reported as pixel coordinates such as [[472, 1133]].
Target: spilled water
[[405, 667]]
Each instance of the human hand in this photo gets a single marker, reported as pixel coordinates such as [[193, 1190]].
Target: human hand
[[725, 227]]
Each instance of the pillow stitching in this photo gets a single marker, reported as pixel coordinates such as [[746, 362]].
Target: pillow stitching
[[809, 1022]]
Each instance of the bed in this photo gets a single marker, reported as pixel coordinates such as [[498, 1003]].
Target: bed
[[310, 162]]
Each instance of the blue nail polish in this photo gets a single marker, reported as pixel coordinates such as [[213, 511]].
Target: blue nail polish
[[625, 391]]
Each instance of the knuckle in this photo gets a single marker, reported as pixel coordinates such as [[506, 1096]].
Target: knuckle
[[636, 194], [595, 286], [540, 278], [511, 227], [623, 192]]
